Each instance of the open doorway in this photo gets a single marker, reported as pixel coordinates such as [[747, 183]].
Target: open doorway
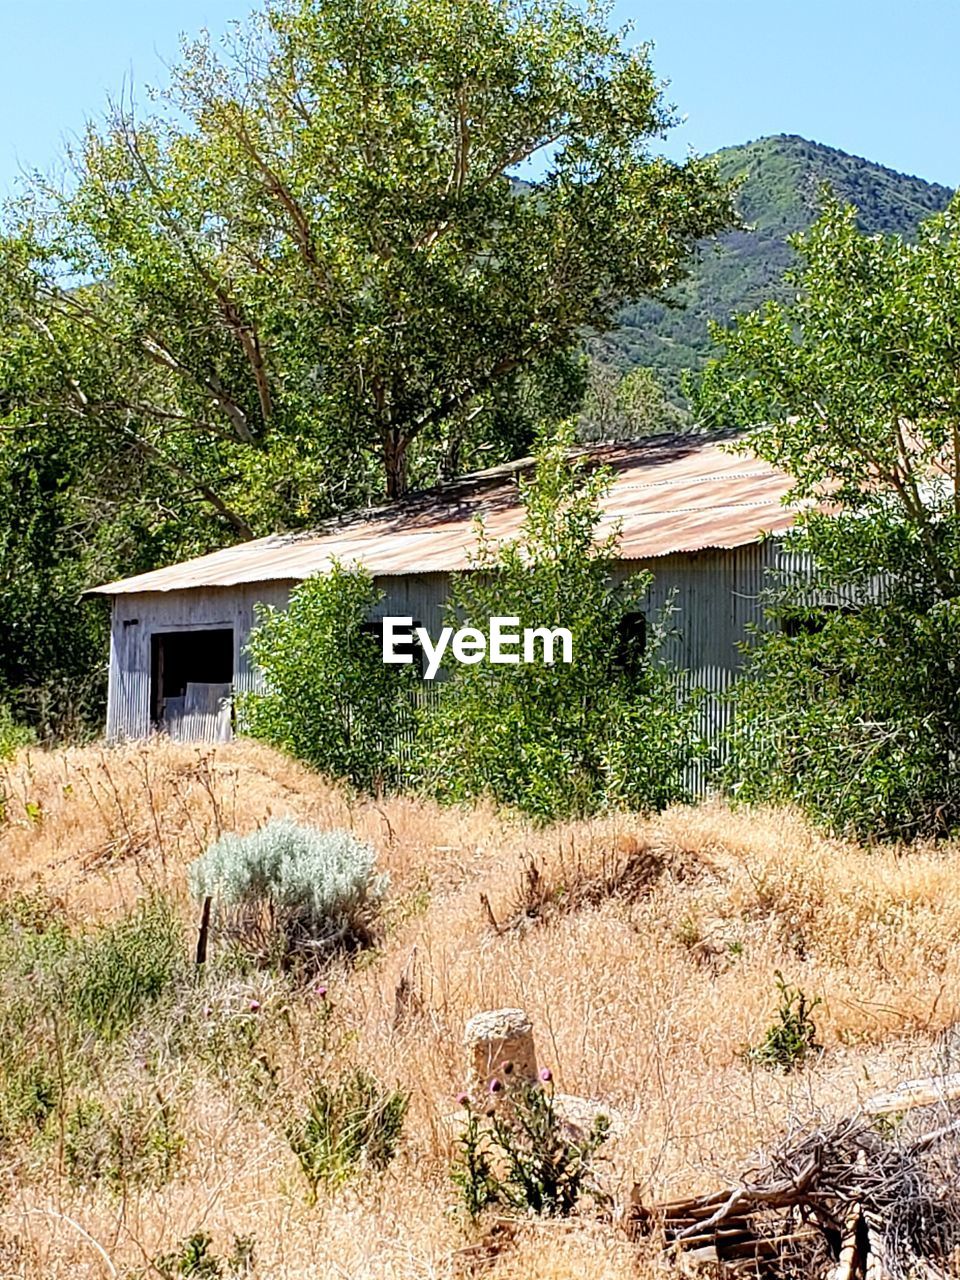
[[200, 659]]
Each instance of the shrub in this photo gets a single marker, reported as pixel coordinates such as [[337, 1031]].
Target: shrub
[[291, 891], [350, 1125], [116, 973], [522, 1156], [330, 700], [135, 1142], [194, 1259], [232, 1045], [29, 1090], [607, 730], [856, 719], [13, 735], [792, 1037]]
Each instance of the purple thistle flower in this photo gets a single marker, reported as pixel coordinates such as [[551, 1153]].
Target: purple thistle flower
[[321, 992], [463, 1099], [496, 1086], [254, 1006], [546, 1075]]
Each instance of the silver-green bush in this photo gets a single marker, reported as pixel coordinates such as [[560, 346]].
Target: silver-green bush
[[289, 889]]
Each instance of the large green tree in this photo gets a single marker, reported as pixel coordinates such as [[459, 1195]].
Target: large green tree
[[854, 390], [311, 274]]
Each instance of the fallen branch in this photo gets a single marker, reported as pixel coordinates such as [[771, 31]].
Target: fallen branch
[[915, 1093]]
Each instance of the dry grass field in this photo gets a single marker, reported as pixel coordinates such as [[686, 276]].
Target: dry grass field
[[643, 995]]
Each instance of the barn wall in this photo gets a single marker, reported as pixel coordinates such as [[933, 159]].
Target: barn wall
[[715, 594], [136, 618]]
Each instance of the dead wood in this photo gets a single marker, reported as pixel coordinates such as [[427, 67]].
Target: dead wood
[[843, 1203]]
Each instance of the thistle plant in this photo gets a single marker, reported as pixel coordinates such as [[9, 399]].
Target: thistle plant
[[515, 1150]]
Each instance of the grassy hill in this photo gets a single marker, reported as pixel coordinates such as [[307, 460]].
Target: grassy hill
[[781, 178], [147, 1108]]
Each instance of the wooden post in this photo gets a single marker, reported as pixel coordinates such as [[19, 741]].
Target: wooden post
[[204, 931]]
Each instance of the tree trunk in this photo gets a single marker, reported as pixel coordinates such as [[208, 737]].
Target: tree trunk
[[395, 462]]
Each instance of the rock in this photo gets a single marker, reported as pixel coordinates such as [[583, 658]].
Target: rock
[[494, 1038]]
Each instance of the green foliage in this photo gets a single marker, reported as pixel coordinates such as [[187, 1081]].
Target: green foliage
[[231, 1044], [13, 736], [857, 718], [522, 1157], [410, 279], [350, 1125], [122, 969], [293, 888], [133, 1142], [857, 722], [607, 730], [29, 1090], [791, 1039], [330, 699], [194, 1260], [625, 404], [473, 1172]]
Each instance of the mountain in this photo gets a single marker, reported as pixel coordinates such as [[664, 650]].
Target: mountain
[[781, 177]]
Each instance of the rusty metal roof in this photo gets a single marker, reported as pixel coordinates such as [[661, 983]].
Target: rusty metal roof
[[669, 494]]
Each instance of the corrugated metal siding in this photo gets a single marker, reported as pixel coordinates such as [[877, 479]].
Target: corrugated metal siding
[[136, 619], [716, 596]]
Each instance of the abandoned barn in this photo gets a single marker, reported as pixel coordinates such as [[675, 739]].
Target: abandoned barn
[[704, 520]]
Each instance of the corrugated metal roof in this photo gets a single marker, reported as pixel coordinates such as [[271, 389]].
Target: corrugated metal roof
[[669, 494]]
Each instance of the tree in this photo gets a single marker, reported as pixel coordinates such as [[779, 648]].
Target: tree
[[855, 386], [329, 699], [626, 404], [606, 730], [313, 273], [854, 709]]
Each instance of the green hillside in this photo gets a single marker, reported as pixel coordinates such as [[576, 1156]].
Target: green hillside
[[781, 178]]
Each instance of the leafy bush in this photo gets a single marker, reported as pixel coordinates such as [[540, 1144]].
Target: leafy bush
[[792, 1037], [13, 735], [607, 730], [522, 1156], [291, 891], [350, 1125], [330, 699], [29, 1090], [232, 1044], [852, 381], [856, 720], [116, 973]]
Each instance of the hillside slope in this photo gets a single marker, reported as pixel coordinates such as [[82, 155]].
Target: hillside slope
[[643, 990], [781, 178]]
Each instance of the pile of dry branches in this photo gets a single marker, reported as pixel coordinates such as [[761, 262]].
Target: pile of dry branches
[[865, 1199]]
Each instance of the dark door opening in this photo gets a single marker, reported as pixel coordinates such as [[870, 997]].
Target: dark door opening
[[179, 658]]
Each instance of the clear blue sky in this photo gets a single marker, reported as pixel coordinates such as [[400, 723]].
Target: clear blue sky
[[877, 78]]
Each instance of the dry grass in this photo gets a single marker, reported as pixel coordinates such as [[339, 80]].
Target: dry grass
[[643, 999]]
